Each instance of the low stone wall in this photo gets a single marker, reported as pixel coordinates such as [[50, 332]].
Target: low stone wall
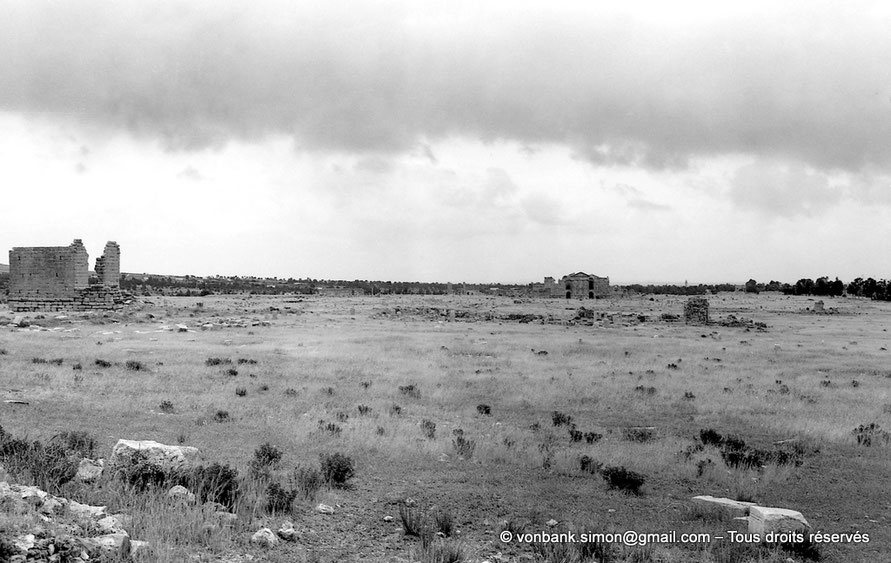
[[89, 299]]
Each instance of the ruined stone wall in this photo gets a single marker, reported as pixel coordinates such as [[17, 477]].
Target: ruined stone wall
[[56, 278], [588, 287], [696, 311]]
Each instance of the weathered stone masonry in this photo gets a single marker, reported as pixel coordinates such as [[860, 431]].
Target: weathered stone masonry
[[57, 278]]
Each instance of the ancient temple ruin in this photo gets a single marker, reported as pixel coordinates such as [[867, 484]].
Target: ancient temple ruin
[[57, 278]]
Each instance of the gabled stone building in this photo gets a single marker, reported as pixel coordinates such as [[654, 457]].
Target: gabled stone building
[[57, 278], [584, 286]]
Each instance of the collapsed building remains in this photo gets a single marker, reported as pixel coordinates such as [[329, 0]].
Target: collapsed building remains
[[57, 278]]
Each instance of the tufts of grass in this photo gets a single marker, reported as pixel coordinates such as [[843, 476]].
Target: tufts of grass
[[217, 361], [428, 427], [221, 416], [871, 434], [134, 365], [248, 361], [410, 390], [395, 410], [38, 360], [442, 551], [240, 391], [77, 367], [279, 499], [444, 522], [413, 521], [166, 407], [290, 392], [463, 447], [588, 465], [484, 410], [102, 363], [638, 434], [307, 481], [231, 372], [364, 410]]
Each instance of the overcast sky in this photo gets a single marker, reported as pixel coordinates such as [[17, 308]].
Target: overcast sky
[[449, 141]]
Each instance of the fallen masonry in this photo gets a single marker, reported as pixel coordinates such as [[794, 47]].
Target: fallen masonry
[[73, 531]]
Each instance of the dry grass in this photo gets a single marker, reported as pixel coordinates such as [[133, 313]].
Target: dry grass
[[312, 365]]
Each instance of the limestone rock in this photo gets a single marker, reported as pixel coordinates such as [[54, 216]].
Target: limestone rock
[[551, 523], [182, 494], [325, 509], [24, 542], [86, 511], [264, 538], [166, 457], [763, 520], [111, 524], [226, 518], [89, 471], [139, 549], [117, 544], [388, 518], [733, 507], [287, 531]]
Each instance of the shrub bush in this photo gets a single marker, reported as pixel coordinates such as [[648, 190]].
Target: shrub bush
[[337, 469], [103, 363], [266, 457], [278, 499], [561, 419], [623, 479]]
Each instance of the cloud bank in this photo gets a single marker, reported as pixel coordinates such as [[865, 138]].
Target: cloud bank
[[808, 82]]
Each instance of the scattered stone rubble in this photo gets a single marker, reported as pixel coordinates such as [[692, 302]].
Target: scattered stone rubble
[[67, 530]]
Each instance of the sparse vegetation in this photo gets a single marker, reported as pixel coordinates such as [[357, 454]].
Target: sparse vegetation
[[337, 469], [532, 456]]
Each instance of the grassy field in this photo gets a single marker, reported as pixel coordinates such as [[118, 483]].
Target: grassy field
[[302, 367]]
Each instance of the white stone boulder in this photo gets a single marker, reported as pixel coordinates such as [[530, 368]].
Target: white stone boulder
[[763, 520], [264, 538], [117, 544], [181, 494], [89, 471], [287, 531], [733, 507], [166, 457], [86, 511]]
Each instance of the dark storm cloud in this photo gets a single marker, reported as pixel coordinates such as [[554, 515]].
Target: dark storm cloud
[[811, 85]]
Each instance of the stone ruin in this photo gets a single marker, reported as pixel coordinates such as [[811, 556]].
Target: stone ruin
[[696, 311], [57, 278]]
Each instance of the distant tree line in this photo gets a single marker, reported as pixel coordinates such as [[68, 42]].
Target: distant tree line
[[700, 289]]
